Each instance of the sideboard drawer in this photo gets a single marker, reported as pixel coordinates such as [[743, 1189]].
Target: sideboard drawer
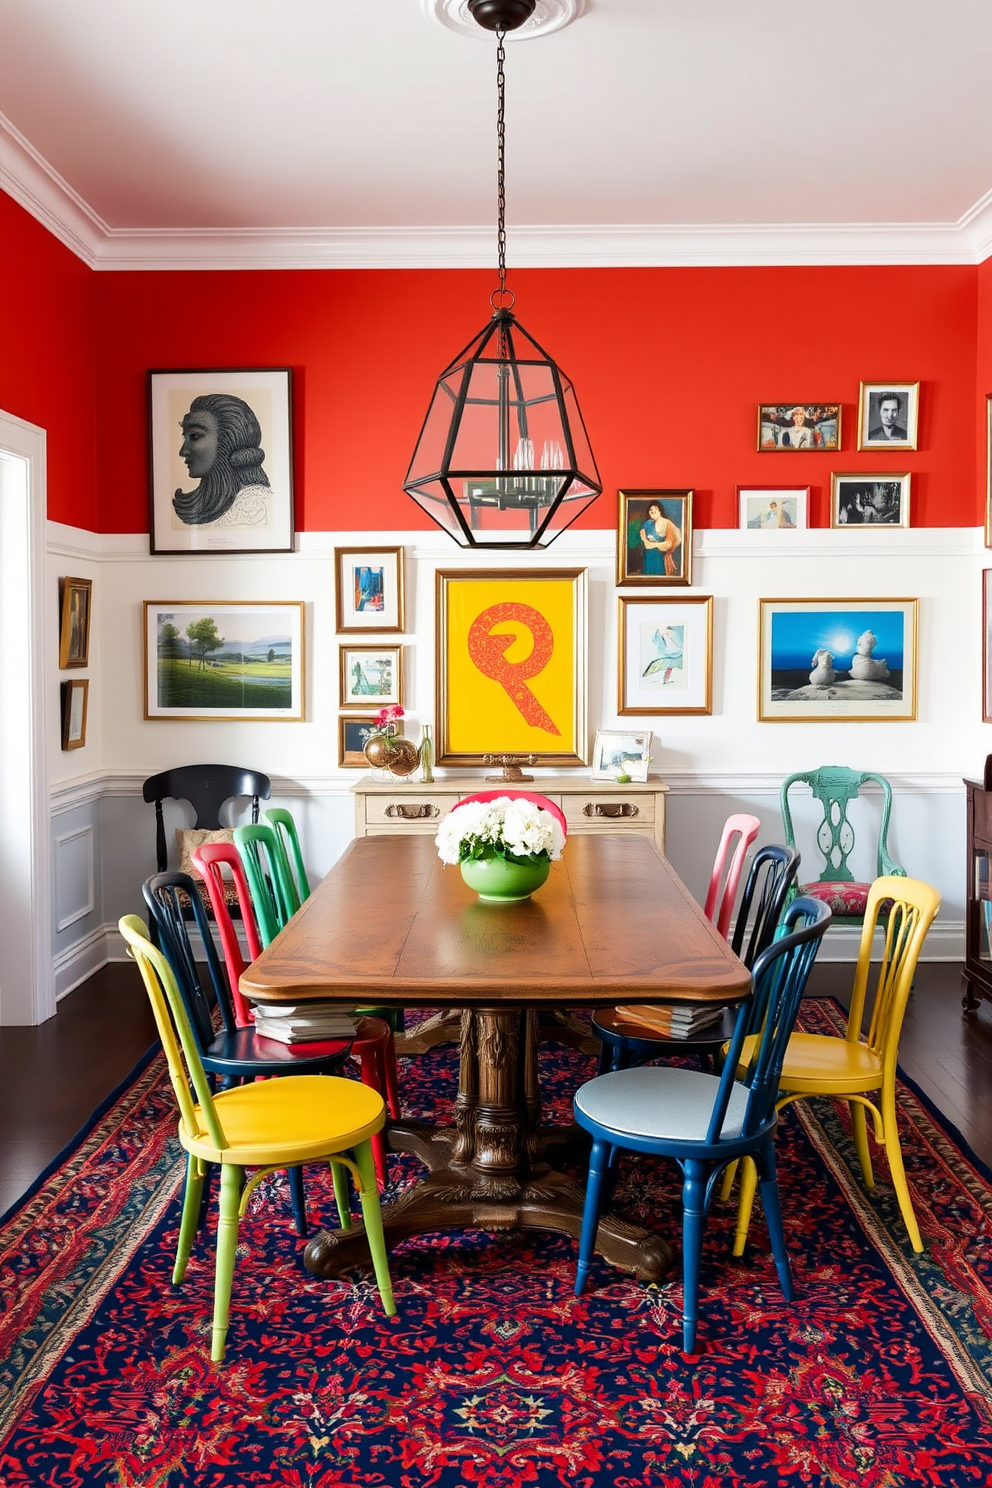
[[402, 812], [608, 811]]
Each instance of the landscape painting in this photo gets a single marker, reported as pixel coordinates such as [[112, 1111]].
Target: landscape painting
[[223, 660], [843, 660]]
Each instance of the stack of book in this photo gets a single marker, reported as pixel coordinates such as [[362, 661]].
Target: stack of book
[[672, 1020], [304, 1022]]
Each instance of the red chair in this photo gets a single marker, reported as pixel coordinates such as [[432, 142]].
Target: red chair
[[519, 795], [722, 892], [373, 1041]]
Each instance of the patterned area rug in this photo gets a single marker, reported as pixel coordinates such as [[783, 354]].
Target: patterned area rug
[[880, 1373]]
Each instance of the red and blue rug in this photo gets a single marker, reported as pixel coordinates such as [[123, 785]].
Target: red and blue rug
[[880, 1373]]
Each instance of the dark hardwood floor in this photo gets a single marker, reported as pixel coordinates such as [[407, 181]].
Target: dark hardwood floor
[[53, 1077]]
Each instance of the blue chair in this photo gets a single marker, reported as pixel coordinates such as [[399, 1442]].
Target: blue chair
[[706, 1121], [626, 1042]]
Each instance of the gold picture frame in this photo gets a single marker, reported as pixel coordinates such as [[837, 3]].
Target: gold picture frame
[[353, 729], [75, 605], [75, 705], [837, 660], [371, 676], [654, 537], [869, 499], [888, 415], [255, 671], [511, 665], [665, 655], [368, 590], [797, 428]]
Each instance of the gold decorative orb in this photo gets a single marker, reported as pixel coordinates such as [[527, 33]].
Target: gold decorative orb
[[393, 753]]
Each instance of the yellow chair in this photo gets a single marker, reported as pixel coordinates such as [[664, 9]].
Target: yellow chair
[[266, 1125], [858, 1066]]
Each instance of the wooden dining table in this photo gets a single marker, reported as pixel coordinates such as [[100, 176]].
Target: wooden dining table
[[390, 924]]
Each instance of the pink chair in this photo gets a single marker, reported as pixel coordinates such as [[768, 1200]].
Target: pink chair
[[519, 795], [722, 892], [373, 1042]]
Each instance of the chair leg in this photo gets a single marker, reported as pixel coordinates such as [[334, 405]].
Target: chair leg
[[859, 1130], [232, 1180], [391, 1084], [298, 1199], [190, 1221], [745, 1203], [693, 1224], [368, 1196], [370, 1069], [773, 1219], [605, 1056], [897, 1168], [339, 1177], [599, 1159], [727, 1182]]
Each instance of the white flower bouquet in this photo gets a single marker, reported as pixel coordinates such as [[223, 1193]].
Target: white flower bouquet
[[515, 830]]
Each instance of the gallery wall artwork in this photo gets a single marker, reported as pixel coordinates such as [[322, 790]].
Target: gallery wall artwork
[[837, 660], [223, 659]]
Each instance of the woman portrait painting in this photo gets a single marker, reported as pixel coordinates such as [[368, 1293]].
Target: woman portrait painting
[[655, 537], [221, 461]]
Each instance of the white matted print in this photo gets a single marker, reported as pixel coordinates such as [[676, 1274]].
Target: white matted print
[[869, 501], [369, 586], [371, 674], [665, 660], [773, 508], [888, 415], [223, 659], [221, 460], [621, 755]]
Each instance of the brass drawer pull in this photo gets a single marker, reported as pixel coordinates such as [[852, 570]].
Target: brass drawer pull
[[610, 808], [412, 813]]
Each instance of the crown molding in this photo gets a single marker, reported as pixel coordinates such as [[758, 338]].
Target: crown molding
[[28, 178]]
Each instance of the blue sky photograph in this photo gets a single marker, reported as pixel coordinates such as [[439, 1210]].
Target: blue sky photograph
[[796, 636]]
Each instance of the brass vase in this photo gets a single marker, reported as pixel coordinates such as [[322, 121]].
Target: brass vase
[[392, 753]]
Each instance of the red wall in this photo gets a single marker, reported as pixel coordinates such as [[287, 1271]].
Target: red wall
[[669, 366], [47, 356]]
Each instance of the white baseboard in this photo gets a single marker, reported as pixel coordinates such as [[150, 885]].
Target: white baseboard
[[80, 960]]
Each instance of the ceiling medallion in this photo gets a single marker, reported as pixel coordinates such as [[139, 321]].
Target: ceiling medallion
[[549, 16]]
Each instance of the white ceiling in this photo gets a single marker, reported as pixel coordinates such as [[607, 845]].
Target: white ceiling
[[149, 133]]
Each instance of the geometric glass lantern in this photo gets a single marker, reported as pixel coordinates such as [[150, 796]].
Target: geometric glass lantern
[[503, 459]]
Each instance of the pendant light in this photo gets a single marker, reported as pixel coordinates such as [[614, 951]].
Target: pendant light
[[503, 459]]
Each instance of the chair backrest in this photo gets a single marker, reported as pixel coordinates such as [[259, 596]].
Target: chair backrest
[[165, 893], [906, 908], [835, 787], [210, 859], [178, 1041], [272, 894], [206, 788], [520, 795], [777, 985], [282, 823], [773, 872], [727, 868]]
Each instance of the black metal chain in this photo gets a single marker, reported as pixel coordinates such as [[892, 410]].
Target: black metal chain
[[500, 166]]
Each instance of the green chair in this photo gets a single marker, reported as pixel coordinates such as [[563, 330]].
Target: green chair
[[273, 894], [835, 787]]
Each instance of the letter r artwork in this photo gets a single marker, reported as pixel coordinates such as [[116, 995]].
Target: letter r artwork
[[488, 654]]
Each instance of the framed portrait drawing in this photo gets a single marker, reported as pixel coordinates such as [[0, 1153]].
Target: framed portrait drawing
[[837, 660], [223, 659], [75, 602], [773, 508], [371, 676], [511, 666], [869, 500], [368, 589], [888, 415], [220, 451], [75, 700], [788, 427], [665, 661], [353, 730], [654, 537], [619, 754]]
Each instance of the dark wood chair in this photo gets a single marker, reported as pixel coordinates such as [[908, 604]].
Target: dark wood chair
[[207, 788]]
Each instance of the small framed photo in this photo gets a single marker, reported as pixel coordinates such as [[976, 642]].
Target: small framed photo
[[220, 449], [665, 662], [371, 674], [837, 660], [619, 755], [353, 730], [75, 600], [75, 699], [369, 589], [798, 426], [654, 537], [221, 659], [888, 414], [773, 508], [869, 500]]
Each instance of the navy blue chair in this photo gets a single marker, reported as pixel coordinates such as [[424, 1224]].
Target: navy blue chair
[[626, 1042], [231, 1054], [706, 1121]]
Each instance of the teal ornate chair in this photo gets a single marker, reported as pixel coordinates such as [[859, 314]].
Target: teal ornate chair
[[835, 787]]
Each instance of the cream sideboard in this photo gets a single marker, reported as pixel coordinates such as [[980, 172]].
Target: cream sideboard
[[383, 806]]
